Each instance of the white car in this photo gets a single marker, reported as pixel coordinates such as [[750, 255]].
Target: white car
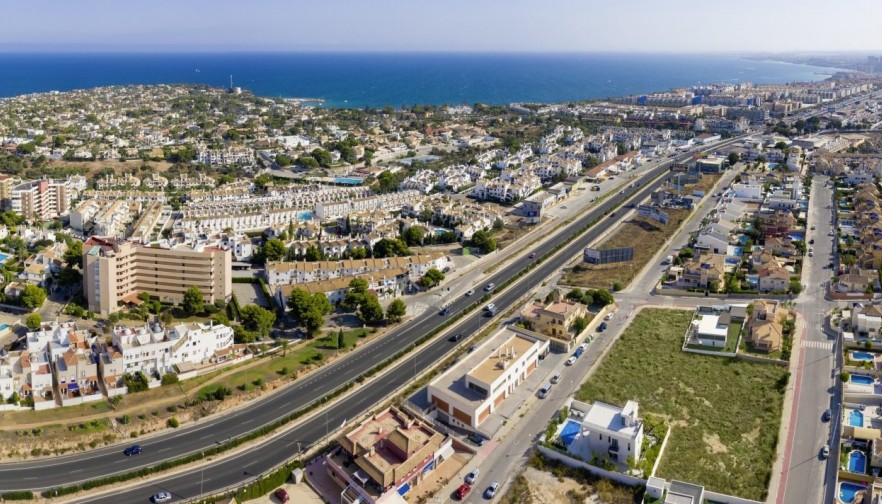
[[570, 361], [489, 287], [609, 316], [470, 292], [472, 476], [161, 497], [555, 379], [490, 307], [584, 346], [491, 490]]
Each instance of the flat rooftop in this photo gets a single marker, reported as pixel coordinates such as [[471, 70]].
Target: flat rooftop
[[608, 417], [482, 363]]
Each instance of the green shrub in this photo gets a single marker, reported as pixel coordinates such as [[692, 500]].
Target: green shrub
[[173, 423]]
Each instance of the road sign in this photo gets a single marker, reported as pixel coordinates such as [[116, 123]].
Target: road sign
[[609, 256], [651, 212]]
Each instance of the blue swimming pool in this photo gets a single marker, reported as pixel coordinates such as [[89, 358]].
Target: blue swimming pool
[[736, 251], [856, 419], [569, 431], [3, 258], [797, 236], [742, 239], [753, 279], [864, 356], [307, 215], [348, 180], [864, 380], [442, 231], [731, 261], [3, 327], [848, 490], [857, 462]]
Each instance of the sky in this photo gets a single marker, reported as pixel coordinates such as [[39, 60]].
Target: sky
[[441, 25]]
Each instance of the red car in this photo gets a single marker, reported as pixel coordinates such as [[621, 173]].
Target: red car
[[462, 491], [282, 495]]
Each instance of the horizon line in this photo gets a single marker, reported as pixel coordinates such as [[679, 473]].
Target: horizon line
[[207, 51]]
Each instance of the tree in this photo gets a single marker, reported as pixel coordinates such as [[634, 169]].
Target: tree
[[396, 310], [32, 296], [33, 321], [309, 310], [781, 146], [69, 276], [602, 297], [483, 241], [193, 301], [432, 278], [734, 157], [413, 236], [341, 341], [370, 310], [358, 288], [580, 324], [273, 250], [390, 248], [795, 286], [257, 319], [73, 256]]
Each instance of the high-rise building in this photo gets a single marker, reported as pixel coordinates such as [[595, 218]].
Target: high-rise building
[[41, 199], [116, 272]]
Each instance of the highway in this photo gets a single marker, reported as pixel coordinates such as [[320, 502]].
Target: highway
[[231, 470]]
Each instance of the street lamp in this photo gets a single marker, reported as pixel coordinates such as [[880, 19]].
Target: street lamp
[[202, 474]]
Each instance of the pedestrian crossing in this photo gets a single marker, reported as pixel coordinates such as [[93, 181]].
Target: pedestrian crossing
[[821, 345]]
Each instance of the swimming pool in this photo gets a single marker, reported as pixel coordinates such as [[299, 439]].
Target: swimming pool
[[307, 215], [864, 356], [856, 419], [797, 236], [857, 462], [3, 327], [848, 490], [753, 279], [735, 251], [732, 261], [348, 180], [569, 431], [442, 231], [742, 239], [3, 258], [864, 380]]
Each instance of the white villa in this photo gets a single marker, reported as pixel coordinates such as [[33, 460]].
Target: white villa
[[607, 431]]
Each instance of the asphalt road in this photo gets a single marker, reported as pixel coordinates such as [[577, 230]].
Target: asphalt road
[[810, 479], [231, 470]]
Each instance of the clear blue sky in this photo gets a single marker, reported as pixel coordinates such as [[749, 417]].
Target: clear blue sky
[[442, 25]]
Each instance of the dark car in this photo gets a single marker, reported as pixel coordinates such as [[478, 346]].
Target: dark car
[[827, 415], [477, 439], [812, 241], [132, 450], [282, 495], [533, 255], [473, 348], [445, 311], [612, 214], [455, 337], [601, 327]]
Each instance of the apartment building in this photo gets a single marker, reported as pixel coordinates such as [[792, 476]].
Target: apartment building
[[5, 191], [116, 271], [41, 199], [300, 272], [390, 202]]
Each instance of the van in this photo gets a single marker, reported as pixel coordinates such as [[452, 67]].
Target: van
[[544, 390], [490, 307]]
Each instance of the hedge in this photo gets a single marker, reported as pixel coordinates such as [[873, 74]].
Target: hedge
[[23, 495]]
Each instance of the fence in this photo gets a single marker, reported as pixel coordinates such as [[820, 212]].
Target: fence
[[624, 479], [761, 360]]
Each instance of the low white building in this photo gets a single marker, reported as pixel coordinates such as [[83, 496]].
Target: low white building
[[606, 431], [866, 319]]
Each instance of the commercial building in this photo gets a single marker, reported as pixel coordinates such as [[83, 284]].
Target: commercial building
[[383, 458], [467, 393], [116, 272], [41, 199]]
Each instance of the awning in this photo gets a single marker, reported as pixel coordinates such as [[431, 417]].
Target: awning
[[403, 489], [72, 386]]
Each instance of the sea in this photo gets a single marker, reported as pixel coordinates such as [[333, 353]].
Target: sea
[[357, 80]]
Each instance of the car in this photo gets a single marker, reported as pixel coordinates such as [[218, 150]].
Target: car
[[830, 233], [813, 228], [609, 316], [563, 207], [462, 491], [456, 337], [583, 346], [473, 348], [472, 476], [476, 438], [613, 214], [445, 311], [825, 452], [827, 415], [490, 307], [601, 327], [161, 497], [491, 490], [132, 450], [811, 253], [489, 287], [282, 495], [570, 361], [544, 390], [533, 255], [578, 353], [812, 241], [555, 379], [470, 292], [595, 188]]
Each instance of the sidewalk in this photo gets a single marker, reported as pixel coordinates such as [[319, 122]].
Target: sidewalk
[[780, 468]]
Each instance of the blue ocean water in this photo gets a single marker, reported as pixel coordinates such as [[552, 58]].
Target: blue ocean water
[[375, 80]]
